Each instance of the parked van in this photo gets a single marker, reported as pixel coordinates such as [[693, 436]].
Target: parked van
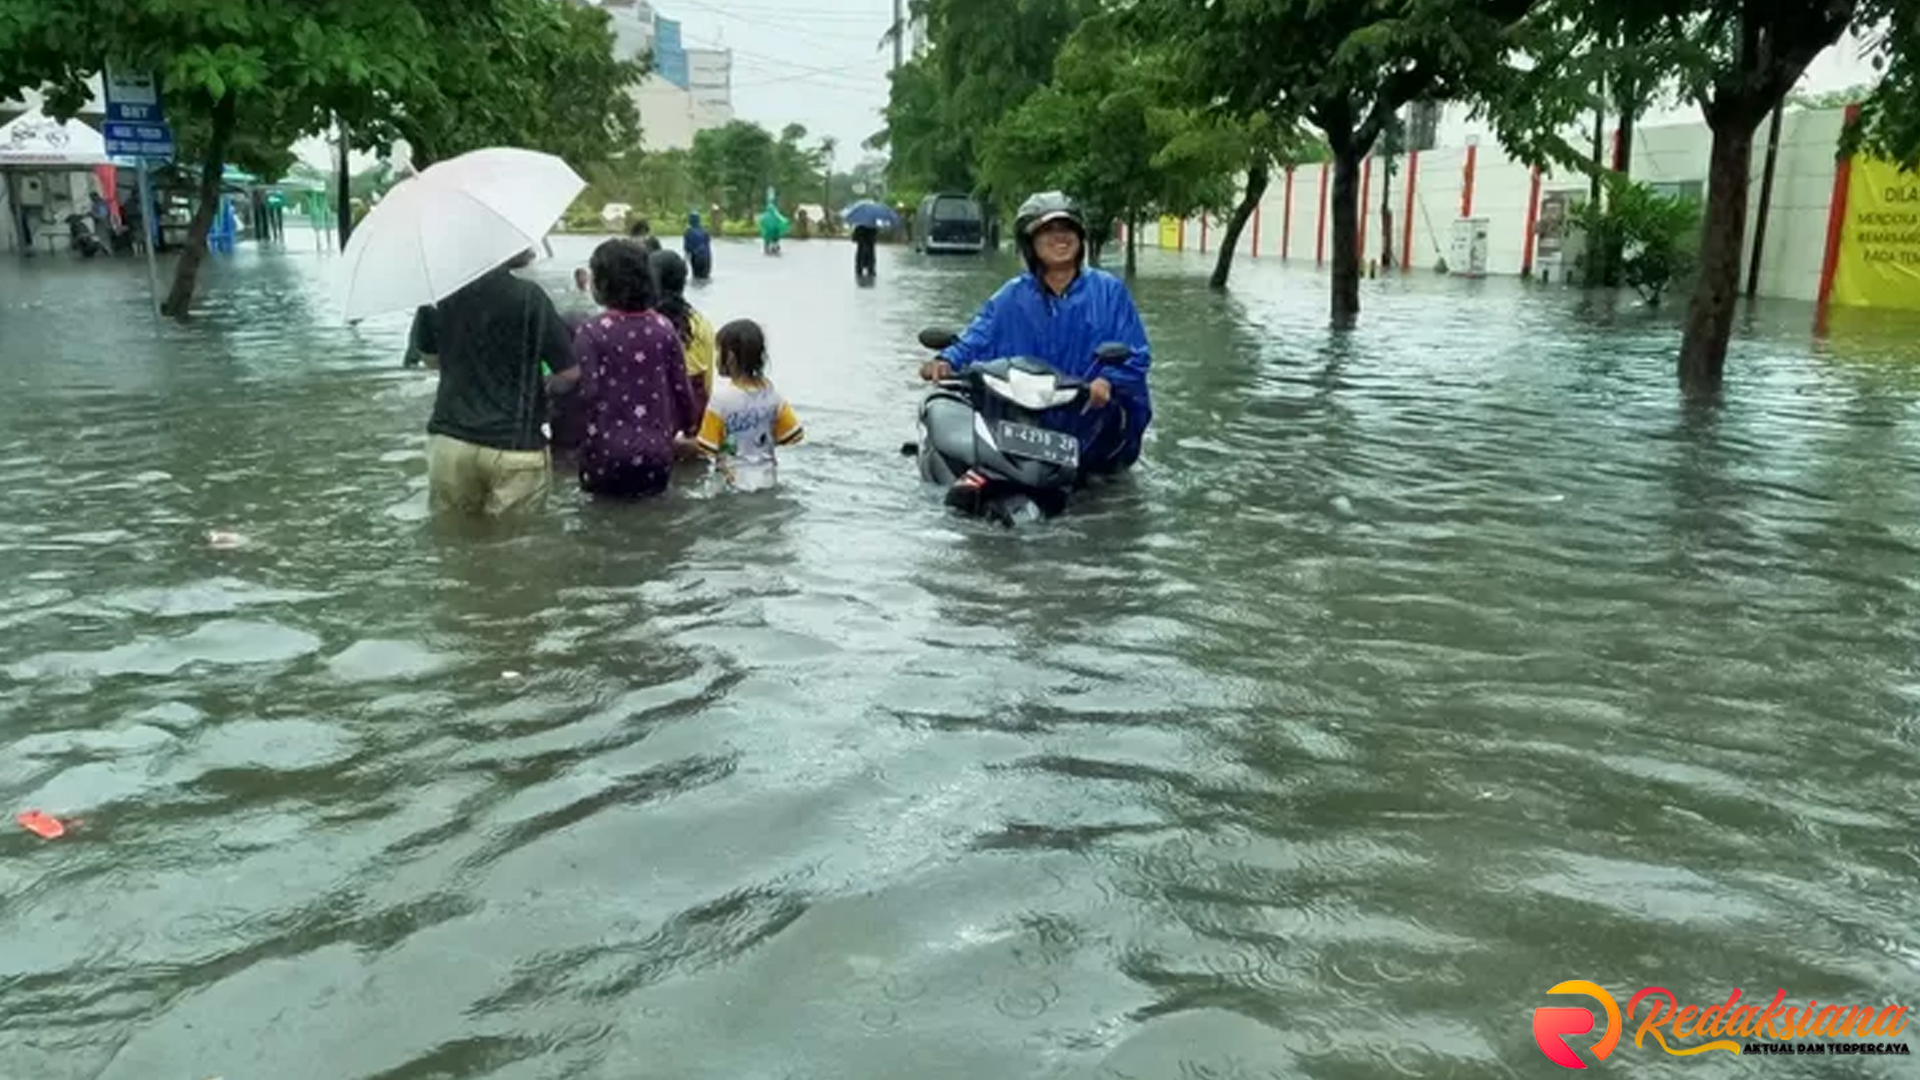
[[950, 223]]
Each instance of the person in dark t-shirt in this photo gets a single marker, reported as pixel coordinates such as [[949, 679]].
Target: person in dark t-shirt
[[487, 441], [864, 237]]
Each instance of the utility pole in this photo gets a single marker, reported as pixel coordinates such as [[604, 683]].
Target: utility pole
[[899, 33]]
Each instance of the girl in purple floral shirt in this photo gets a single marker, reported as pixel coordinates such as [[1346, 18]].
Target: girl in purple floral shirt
[[633, 380]]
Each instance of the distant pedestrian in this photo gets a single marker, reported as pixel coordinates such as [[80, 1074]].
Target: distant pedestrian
[[699, 248], [864, 237]]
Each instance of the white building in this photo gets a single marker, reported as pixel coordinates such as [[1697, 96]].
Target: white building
[[689, 90], [710, 81]]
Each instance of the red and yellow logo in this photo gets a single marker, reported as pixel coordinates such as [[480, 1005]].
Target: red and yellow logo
[[1551, 1026], [1774, 1029]]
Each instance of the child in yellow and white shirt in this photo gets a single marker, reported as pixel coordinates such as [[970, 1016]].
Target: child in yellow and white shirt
[[746, 417]]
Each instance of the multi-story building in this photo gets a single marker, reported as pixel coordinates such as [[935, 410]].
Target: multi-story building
[[710, 81], [688, 90]]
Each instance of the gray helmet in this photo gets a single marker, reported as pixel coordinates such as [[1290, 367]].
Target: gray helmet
[[1048, 206], [1039, 209]]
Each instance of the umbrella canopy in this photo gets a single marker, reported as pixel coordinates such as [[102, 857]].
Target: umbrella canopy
[[32, 139], [870, 213], [439, 231]]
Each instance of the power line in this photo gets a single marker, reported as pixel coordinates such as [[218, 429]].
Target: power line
[[826, 88], [782, 64], [811, 15], [799, 31], [844, 75]]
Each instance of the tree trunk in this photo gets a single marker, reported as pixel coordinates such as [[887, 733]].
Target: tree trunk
[[1622, 164], [1599, 153], [1346, 236], [180, 297], [1623, 153], [1259, 174], [1703, 351], [1599, 257], [1386, 213], [345, 202], [1133, 242]]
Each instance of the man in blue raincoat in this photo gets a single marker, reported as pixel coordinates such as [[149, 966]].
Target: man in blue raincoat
[[1060, 311]]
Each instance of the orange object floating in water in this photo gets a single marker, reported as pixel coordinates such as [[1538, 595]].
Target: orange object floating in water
[[41, 825]]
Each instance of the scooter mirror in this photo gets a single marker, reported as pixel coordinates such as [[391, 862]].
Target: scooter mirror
[[1113, 353], [934, 340]]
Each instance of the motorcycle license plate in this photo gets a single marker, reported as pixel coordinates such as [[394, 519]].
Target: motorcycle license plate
[[1040, 444]]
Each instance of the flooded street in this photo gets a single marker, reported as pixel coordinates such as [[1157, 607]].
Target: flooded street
[[1413, 673]]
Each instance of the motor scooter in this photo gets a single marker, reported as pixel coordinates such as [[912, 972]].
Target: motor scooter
[[983, 436]]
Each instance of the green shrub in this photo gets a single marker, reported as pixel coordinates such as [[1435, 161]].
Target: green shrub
[[1641, 238]]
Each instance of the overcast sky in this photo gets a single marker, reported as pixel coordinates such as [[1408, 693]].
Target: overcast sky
[[812, 62], [820, 63]]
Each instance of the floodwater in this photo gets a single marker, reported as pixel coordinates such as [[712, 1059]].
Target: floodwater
[[1415, 672]]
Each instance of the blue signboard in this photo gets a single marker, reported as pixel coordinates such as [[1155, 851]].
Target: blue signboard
[[136, 125], [669, 55], [134, 98], [138, 140]]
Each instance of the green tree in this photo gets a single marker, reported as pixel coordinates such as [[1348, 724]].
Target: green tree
[[658, 184], [796, 166], [986, 58], [732, 167], [1265, 144], [557, 87], [1738, 60], [1889, 122], [1587, 60], [1346, 66], [920, 159], [244, 78], [1099, 132], [276, 64]]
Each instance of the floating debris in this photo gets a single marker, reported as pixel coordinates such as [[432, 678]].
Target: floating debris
[[44, 826]]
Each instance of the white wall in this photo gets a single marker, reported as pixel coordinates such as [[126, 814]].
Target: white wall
[[1795, 243]]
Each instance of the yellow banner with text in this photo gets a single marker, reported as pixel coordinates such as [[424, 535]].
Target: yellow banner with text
[[1878, 263]]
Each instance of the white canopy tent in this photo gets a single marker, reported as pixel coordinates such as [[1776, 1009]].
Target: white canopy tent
[[33, 141], [34, 151]]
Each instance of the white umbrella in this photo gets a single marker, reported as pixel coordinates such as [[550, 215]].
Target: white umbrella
[[458, 219]]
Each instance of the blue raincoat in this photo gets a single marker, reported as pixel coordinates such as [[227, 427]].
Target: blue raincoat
[[696, 243], [1025, 318]]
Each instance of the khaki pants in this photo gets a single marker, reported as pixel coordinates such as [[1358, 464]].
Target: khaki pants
[[473, 479]]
